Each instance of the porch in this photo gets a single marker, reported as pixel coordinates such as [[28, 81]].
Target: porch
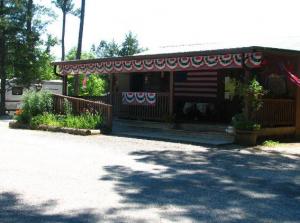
[[196, 87]]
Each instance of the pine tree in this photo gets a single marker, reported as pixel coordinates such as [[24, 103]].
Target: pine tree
[[67, 7], [79, 45]]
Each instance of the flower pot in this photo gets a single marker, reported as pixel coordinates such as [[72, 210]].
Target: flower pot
[[246, 137]]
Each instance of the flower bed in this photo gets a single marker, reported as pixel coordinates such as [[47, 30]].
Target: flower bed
[[37, 113]]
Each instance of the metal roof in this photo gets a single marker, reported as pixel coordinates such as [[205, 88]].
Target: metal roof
[[285, 46], [290, 44]]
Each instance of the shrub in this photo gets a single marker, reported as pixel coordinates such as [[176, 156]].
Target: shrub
[[33, 104], [270, 143], [67, 107], [240, 122], [45, 119], [84, 121], [252, 94]]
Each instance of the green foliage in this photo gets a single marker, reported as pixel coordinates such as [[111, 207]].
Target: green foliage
[[67, 107], [129, 46], [45, 119], [95, 86], [35, 103], [84, 56], [252, 94], [26, 58], [106, 49], [270, 143], [240, 122], [84, 121], [66, 6]]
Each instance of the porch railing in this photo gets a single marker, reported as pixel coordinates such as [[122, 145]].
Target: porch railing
[[156, 112], [142, 112], [277, 112], [80, 105]]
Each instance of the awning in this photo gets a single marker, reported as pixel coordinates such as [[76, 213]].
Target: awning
[[171, 63]]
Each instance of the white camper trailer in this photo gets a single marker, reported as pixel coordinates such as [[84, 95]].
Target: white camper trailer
[[14, 92]]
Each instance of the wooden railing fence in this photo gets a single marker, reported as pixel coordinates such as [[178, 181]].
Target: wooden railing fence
[[158, 112], [80, 105], [277, 112]]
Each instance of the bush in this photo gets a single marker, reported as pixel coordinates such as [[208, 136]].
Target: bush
[[270, 143], [85, 121], [33, 104], [240, 122], [45, 119], [67, 107]]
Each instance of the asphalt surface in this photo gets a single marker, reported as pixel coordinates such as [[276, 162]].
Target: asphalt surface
[[54, 177]]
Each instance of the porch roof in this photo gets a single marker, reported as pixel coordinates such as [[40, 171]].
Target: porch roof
[[207, 59]]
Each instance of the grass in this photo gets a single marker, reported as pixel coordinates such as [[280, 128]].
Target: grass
[[84, 121], [270, 143]]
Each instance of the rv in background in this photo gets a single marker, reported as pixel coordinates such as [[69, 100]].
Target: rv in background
[[14, 92]]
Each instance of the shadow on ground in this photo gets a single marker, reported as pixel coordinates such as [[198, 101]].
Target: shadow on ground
[[14, 210], [217, 185]]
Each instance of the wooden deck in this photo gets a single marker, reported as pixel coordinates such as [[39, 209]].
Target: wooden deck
[[274, 113]]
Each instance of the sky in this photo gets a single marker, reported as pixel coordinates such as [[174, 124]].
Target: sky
[[175, 22]]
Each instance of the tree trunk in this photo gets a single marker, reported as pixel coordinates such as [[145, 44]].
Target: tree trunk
[[63, 37], [29, 15], [2, 62], [79, 46], [80, 36]]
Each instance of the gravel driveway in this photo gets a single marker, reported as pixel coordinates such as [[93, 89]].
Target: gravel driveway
[[53, 177]]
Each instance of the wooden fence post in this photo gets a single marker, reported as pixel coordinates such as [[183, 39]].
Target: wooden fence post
[[109, 117], [297, 113], [171, 95], [111, 87]]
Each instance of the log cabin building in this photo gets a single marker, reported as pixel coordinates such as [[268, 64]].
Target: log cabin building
[[198, 85]]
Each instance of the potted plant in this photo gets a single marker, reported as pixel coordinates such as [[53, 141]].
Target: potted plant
[[246, 129]]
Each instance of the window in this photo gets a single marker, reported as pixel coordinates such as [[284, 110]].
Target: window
[[17, 90]]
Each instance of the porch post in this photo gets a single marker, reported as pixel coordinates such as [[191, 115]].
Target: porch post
[[171, 97], [65, 84], [111, 87], [297, 118]]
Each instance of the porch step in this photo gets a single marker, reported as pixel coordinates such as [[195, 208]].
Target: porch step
[[160, 131], [180, 126]]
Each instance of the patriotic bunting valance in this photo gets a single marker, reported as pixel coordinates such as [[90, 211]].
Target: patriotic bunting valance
[[164, 64], [138, 98]]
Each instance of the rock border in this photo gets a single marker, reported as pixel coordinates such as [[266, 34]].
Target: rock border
[[73, 131]]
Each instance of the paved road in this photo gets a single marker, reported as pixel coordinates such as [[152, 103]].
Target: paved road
[[52, 177]]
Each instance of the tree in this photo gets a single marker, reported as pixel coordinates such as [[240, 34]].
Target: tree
[[67, 7], [79, 45], [106, 49], [130, 46], [2, 57], [20, 43]]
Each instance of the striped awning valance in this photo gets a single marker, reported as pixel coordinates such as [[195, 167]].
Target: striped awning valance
[[212, 62]]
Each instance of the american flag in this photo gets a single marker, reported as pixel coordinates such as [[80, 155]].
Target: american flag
[[196, 84]]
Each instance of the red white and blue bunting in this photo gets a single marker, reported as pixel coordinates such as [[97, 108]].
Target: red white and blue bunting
[[138, 98], [213, 62]]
